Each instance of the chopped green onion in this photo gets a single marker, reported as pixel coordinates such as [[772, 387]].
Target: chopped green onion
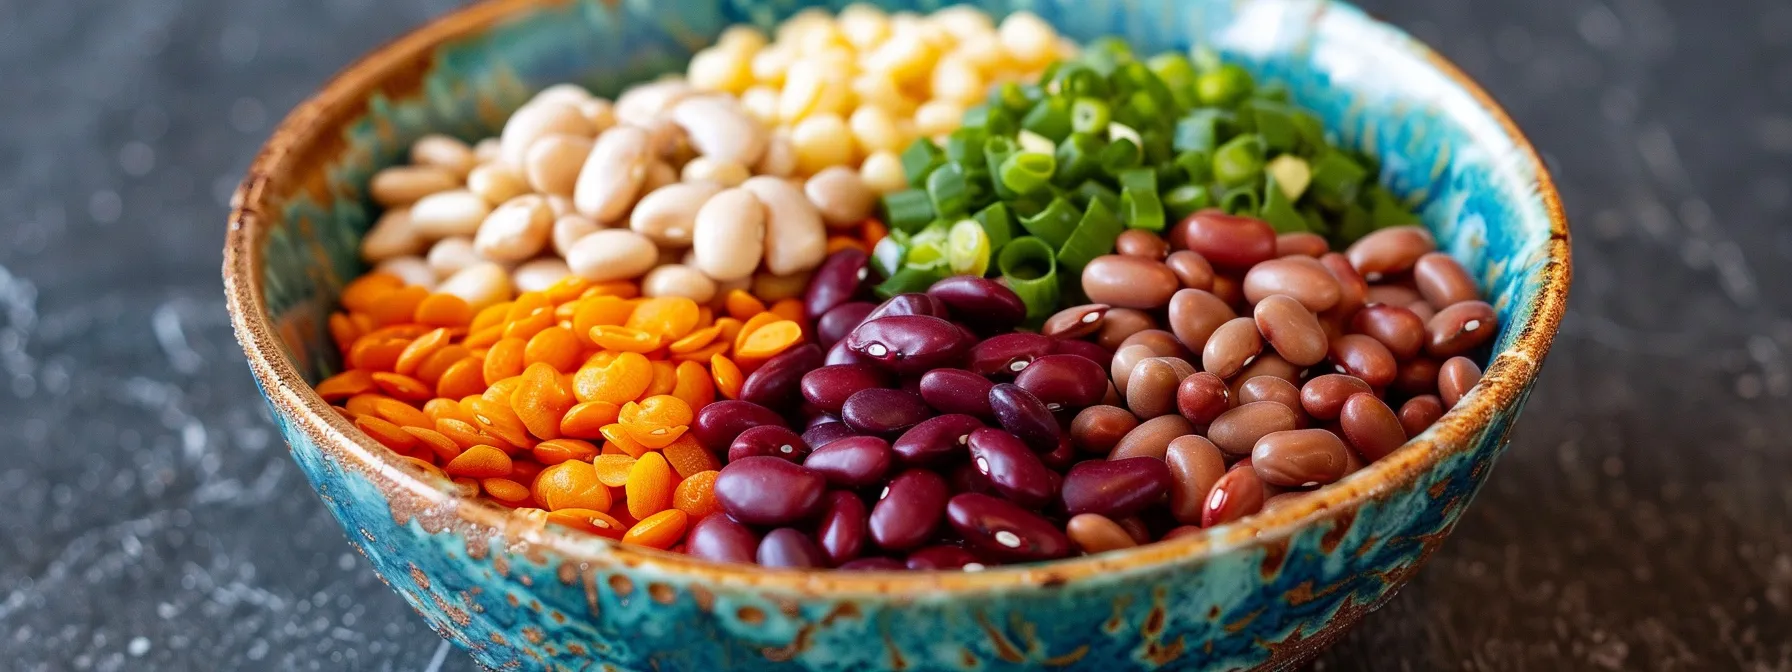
[[1203, 130], [965, 146], [1185, 200], [967, 249], [1275, 124], [887, 256], [1141, 179], [998, 226], [1385, 210], [1356, 223], [976, 117], [907, 210], [1077, 80], [1337, 179], [1011, 97], [1243, 200], [1092, 190], [1239, 161], [1090, 115], [1120, 155], [1079, 158], [1224, 86], [1053, 224], [1142, 209], [1026, 172], [996, 150], [1178, 75], [950, 190], [1093, 237], [1050, 118], [1310, 130], [920, 160], [1118, 132], [1278, 210], [1196, 165], [1030, 268], [910, 280], [1291, 173], [1034, 142]]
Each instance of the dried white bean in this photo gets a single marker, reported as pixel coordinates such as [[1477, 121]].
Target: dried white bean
[[701, 169], [535, 121], [720, 129], [600, 112], [481, 285], [537, 275], [795, 239], [570, 94], [729, 237], [413, 270], [496, 183], [568, 229], [445, 152], [679, 280], [779, 159], [449, 213], [612, 175], [841, 196], [668, 215], [552, 163], [452, 255], [611, 254], [646, 102], [400, 186], [516, 230], [391, 236]]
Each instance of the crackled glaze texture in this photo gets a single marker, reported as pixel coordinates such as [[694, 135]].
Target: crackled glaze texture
[[1266, 593]]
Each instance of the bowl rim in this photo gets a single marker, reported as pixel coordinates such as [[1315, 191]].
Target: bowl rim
[[307, 131]]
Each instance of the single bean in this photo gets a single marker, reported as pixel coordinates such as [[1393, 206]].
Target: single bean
[[1195, 314], [763, 490], [1353, 291], [1024, 416], [884, 412], [1238, 493], [842, 531], [445, 152], [1061, 458], [1012, 469], [1270, 388], [778, 383], [1391, 250], [1232, 346], [613, 174], [1075, 321], [1005, 530], [537, 275], [1125, 360], [1152, 438], [1291, 329], [1418, 376], [1393, 295], [1121, 323], [912, 303], [612, 254], [1116, 488], [537, 120], [1301, 244], [841, 196], [1230, 241], [937, 439], [1129, 282], [718, 424], [1151, 387], [1460, 328], [414, 270], [788, 547], [1299, 458], [391, 236], [552, 163], [1202, 398], [1195, 465], [1302, 278], [679, 280], [771, 441], [457, 212], [854, 462], [826, 431], [1442, 280], [1236, 431], [937, 558], [1370, 426], [399, 186], [1323, 396], [1143, 244], [1420, 412], [980, 302], [909, 510], [729, 235], [1093, 352], [515, 231], [1396, 327], [1095, 533], [957, 391], [1364, 357], [668, 215], [1007, 354], [496, 183], [828, 387], [909, 344], [1191, 269], [568, 229], [835, 324], [1064, 381], [720, 129], [794, 238], [1098, 429], [718, 538], [836, 281], [481, 285], [1455, 378]]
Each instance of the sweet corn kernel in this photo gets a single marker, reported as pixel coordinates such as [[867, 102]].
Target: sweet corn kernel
[[771, 63], [958, 81], [877, 130], [741, 39], [882, 172], [938, 117], [761, 103], [1029, 39], [719, 70], [820, 141], [864, 26]]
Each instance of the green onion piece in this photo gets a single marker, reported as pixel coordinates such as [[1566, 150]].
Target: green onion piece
[[1242, 200], [1053, 224], [1239, 161], [1146, 83], [888, 254], [907, 210], [967, 249], [1141, 179], [1079, 158], [1023, 207], [1337, 179], [1093, 190], [1089, 115], [1050, 118], [1011, 97], [1386, 210], [1196, 165], [1094, 236], [1224, 86], [1076, 79], [1026, 172], [934, 232], [1356, 223], [1028, 141], [1273, 92], [1202, 130], [1291, 173], [1185, 200], [920, 160], [1316, 221], [998, 225], [996, 150], [1031, 270], [1142, 209], [910, 280], [1278, 210], [1276, 124], [1120, 155], [1178, 75], [976, 117], [1106, 55], [1310, 130], [950, 190], [965, 146]]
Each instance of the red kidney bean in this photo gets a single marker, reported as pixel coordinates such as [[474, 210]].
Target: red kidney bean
[[1365, 358], [912, 303], [1370, 426], [1442, 280], [1396, 327], [1142, 243], [762, 490], [719, 538], [885, 412], [1162, 343], [1097, 429], [778, 382], [1271, 388], [1291, 329], [853, 462], [1460, 328], [1417, 376], [817, 417], [1012, 468], [1075, 321], [1455, 378], [770, 441], [1237, 431], [1268, 364], [1135, 528], [835, 282], [1230, 241], [1125, 360], [905, 516], [1129, 282], [835, 324], [1004, 530], [716, 425], [787, 547], [1096, 533], [829, 386], [1024, 416], [1152, 437], [1191, 269], [1391, 250], [1115, 488], [1301, 244], [941, 558], [842, 531], [1121, 323], [824, 433], [1064, 381], [1229, 288], [1086, 350], [1299, 458], [936, 439], [1323, 396], [1420, 413], [840, 354], [1181, 531], [1151, 387], [1202, 398], [965, 478], [1231, 347], [1060, 458], [872, 565], [1303, 279], [980, 302], [1393, 295], [1239, 493], [1423, 310], [909, 344], [957, 391], [1194, 316], [1353, 291], [1007, 354], [1195, 465]]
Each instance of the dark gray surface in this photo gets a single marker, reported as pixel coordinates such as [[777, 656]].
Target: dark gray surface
[[149, 518]]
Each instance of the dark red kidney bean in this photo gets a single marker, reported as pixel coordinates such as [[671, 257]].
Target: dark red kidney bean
[[1191, 269], [1270, 388], [1302, 278], [1353, 291], [716, 425], [1120, 323], [1060, 458], [1423, 310], [909, 344], [1396, 327], [1301, 244], [769, 441], [1181, 531], [912, 303], [1443, 281], [1194, 316], [1135, 528], [1097, 429], [835, 324], [835, 282], [1299, 458], [1005, 530], [763, 490], [840, 354], [1115, 488], [1086, 350], [965, 478], [1291, 329], [1151, 387], [1075, 321], [1007, 354], [1195, 465], [1231, 346], [842, 531], [1391, 250], [1143, 244], [1064, 381], [1024, 416], [1460, 328], [956, 391], [1095, 533], [1230, 241], [719, 538], [1129, 282], [827, 432], [942, 557], [1239, 493], [1012, 468], [817, 418], [981, 302], [905, 516], [886, 412], [787, 547], [778, 382], [1418, 376], [872, 565], [1393, 295], [1420, 413], [1162, 343], [1455, 378], [829, 386], [936, 439], [1323, 396], [853, 462], [1370, 426], [1202, 398], [1152, 437], [1365, 358], [1237, 431]]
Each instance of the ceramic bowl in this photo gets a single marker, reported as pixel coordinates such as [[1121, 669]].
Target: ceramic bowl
[[1264, 593]]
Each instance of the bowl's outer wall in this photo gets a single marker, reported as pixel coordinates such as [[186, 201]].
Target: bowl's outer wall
[[1247, 605]]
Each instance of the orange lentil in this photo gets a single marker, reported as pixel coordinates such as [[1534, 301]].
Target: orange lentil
[[484, 338], [586, 419], [444, 448], [361, 294], [767, 341], [399, 413], [499, 420], [702, 355], [729, 328], [617, 434], [624, 339], [599, 311], [344, 331], [670, 317], [693, 385], [463, 432], [556, 346], [363, 404], [706, 317], [504, 360], [741, 304], [439, 408], [505, 490], [403, 387], [621, 381], [462, 378], [376, 353], [346, 384], [790, 309], [432, 368], [388, 434], [397, 306], [541, 400], [443, 310], [490, 316], [661, 530], [688, 457], [753, 324], [555, 451], [611, 449], [727, 376], [404, 331], [665, 377], [571, 485], [659, 409], [612, 470], [531, 324], [622, 289], [649, 487], [480, 462], [695, 340], [653, 437], [594, 522], [418, 350], [566, 289], [525, 304], [696, 495], [500, 391], [838, 243]]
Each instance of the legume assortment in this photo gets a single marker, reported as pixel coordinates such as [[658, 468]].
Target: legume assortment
[[678, 319]]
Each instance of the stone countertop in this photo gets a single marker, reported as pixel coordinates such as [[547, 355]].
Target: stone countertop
[[150, 518]]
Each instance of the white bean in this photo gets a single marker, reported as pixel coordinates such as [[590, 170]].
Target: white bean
[[762, 103], [452, 255], [668, 215], [571, 94], [535, 121], [611, 254], [496, 183], [779, 159], [659, 174], [537, 275], [445, 152], [400, 186], [516, 230], [795, 239], [487, 150], [679, 280], [481, 285], [720, 129], [413, 270], [612, 175], [600, 112], [568, 229], [841, 196], [646, 102], [552, 163], [729, 237], [391, 236], [561, 205], [449, 213], [727, 174]]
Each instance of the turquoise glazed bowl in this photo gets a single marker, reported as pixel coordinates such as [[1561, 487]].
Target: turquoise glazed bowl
[[1265, 593]]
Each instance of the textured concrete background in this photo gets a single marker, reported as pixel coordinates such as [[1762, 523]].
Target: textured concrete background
[[150, 519]]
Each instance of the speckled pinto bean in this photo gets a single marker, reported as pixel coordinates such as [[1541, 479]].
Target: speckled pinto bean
[[1191, 269], [1455, 378], [909, 510], [1237, 431], [1143, 244], [980, 302], [957, 391], [853, 462], [1301, 244], [1120, 323], [1323, 397], [884, 412], [1302, 278], [1064, 381], [1195, 314], [1371, 427], [763, 490], [1396, 327], [829, 386], [1151, 387], [1116, 488], [1291, 329], [1195, 465], [1202, 398], [1024, 416], [1299, 458], [1012, 468], [1129, 282], [909, 344], [1098, 429], [1391, 250], [1231, 347], [1271, 388], [1008, 354], [1005, 530], [1152, 437], [1075, 321], [1460, 328], [1443, 281], [770, 441], [1230, 241], [1239, 493], [936, 440], [1365, 358]]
